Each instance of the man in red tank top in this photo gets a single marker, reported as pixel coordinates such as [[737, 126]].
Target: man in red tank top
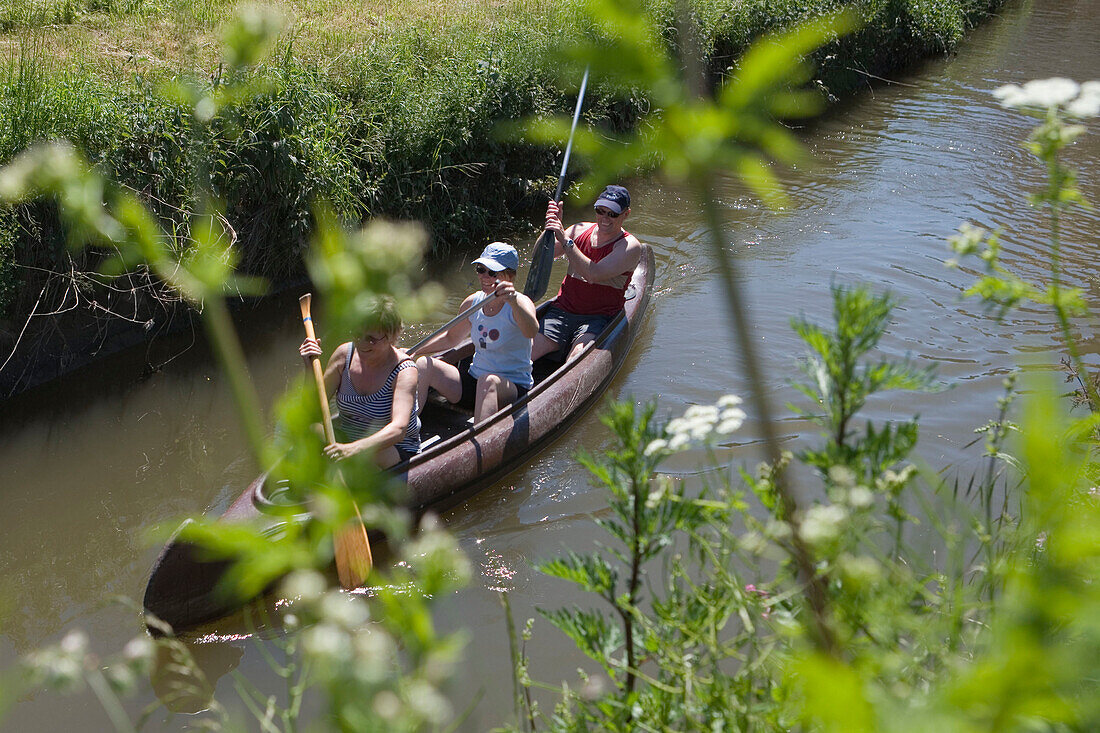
[[602, 257]]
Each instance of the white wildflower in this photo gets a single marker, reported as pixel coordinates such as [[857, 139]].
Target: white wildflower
[[656, 496], [326, 642], [732, 420], [778, 530], [387, 705], [701, 423], [753, 543], [861, 571], [1011, 95], [656, 446], [307, 585], [1087, 103], [1042, 93], [427, 701], [344, 610], [375, 651], [842, 476], [822, 523], [860, 497], [139, 649], [1052, 92], [701, 412], [75, 642]]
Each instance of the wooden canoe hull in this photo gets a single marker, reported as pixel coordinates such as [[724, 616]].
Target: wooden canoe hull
[[184, 590]]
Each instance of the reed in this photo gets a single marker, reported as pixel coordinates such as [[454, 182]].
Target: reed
[[384, 109]]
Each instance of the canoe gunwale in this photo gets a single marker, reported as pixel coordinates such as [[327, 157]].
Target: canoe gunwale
[[184, 592]]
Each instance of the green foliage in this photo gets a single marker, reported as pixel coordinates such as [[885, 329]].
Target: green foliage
[[841, 382], [404, 125], [378, 676], [1058, 103]]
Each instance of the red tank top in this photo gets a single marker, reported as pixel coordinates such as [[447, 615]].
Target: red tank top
[[579, 296]]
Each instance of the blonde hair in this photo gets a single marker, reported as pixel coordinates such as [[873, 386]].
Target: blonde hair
[[382, 315]]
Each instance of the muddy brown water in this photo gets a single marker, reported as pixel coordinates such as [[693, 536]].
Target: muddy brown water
[[89, 467]]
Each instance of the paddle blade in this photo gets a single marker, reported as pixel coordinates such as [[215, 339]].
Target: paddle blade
[[542, 261], [353, 558]]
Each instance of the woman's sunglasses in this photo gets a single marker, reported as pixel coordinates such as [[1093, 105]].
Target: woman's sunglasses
[[481, 269], [372, 339]]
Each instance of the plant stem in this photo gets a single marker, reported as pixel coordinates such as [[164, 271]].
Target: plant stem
[[108, 700], [219, 327], [815, 585]]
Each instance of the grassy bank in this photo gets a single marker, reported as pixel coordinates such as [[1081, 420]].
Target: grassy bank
[[385, 110]]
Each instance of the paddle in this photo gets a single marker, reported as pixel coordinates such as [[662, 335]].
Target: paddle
[[542, 259], [472, 309], [351, 546]]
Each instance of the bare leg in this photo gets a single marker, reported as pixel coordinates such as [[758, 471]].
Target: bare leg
[[493, 393], [541, 346], [579, 344], [387, 457], [437, 374]]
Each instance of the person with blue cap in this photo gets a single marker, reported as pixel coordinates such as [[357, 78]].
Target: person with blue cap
[[499, 372], [602, 257]]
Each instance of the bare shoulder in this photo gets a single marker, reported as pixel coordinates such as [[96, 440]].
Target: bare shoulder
[[406, 380], [339, 357], [632, 248]]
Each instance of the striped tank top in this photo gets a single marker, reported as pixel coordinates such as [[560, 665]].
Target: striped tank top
[[365, 414]]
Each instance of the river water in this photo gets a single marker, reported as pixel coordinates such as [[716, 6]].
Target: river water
[[90, 465]]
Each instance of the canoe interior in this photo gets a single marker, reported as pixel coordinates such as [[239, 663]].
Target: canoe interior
[[457, 459]]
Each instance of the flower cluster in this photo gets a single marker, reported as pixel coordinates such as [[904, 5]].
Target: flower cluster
[[823, 523], [67, 665], [700, 424], [1078, 100]]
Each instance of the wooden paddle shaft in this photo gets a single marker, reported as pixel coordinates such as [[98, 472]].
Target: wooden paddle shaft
[[350, 545], [472, 309], [318, 371]]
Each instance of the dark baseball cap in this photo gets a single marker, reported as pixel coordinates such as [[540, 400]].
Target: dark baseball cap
[[615, 198]]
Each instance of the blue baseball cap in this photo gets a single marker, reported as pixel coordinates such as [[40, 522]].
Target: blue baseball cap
[[615, 198], [499, 256]]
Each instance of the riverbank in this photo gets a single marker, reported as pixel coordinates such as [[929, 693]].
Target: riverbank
[[384, 112]]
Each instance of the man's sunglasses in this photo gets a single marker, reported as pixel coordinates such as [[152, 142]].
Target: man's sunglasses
[[607, 212]]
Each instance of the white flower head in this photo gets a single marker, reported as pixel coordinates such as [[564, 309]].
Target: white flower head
[[1087, 103], [428, 702], [75, 642], [702, 423], [326, 641], [140, 649], [861, 570], [305, 584], [345, 610], [729, 400], [842, 476], [1053, 92], [656, 446], [823, 523], [860, 497]]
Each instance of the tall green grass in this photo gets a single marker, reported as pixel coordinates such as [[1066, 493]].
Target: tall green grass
[[382, 110]]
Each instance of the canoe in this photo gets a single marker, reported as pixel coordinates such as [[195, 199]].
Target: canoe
[[457, 458]]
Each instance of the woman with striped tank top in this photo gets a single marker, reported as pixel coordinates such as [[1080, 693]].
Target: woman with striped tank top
[[375, 387], [499, 372]]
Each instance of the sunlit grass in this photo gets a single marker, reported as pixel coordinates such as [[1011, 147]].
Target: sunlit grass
[[118, 38]]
